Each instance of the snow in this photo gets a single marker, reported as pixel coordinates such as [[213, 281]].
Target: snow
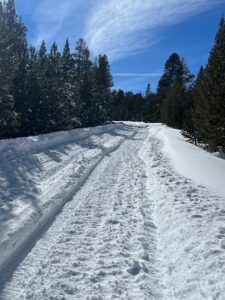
[[38, 175], [116, 212], [191, 161], [190, 217]]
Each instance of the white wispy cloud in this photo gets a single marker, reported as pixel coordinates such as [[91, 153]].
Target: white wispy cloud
[[49, 17], [122, 27], [56, 20]]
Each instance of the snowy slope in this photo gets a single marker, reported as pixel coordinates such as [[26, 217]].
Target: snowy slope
[[192, 161], [143, 221]]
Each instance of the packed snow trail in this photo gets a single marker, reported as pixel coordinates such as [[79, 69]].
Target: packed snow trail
[[136, 229], [103, 244]]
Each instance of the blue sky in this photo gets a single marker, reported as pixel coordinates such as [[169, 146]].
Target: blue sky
[[137, 35]]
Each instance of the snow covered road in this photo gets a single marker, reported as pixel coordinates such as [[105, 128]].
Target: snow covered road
[[135, 229], [102, 246]]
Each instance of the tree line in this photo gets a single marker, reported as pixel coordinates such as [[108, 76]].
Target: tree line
[[43, 91]]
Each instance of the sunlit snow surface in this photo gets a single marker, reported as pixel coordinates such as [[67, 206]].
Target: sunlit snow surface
[[191, 161], [144, 220]]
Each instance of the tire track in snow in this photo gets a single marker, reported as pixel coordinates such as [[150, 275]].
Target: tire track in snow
[[103, 244], [62, 181]]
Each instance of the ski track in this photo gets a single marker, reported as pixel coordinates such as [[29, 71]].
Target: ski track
[[136, 229]]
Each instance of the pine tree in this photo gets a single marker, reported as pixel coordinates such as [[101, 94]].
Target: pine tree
[[102, 88], [12, 65], [201, 108], [33, 94], [84, 78], [169, 84], [17, 34], [173, 90], [214, 85], [42, 76], [7, 111], [54, 90], [172, 71], [151, 106], [71, 97], [148, 92], [119, 108], [19, 93]]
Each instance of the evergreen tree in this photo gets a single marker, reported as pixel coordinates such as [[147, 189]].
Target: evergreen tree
[[7, 111], [148, 92], [71, 98], [33, 95], [201, 109], [84, 78], [118, 106], [42, 76], [152, 106], [19, 91], [55, 90], [168, 86], [102, 88], [17, 34], [172, 91], [214, 85], [12, 65]]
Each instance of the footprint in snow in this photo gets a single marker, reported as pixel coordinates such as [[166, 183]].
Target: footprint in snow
[[222, 244], [114, 222], [135, 268]]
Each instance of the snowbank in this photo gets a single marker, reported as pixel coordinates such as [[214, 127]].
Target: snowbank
[[40, 142], [191, 161]]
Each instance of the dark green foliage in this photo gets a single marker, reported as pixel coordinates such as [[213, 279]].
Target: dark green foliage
[[70, 102], [201, 110], [32, 121], [148, 92], [42, 92], [173, 92], [84, 78], [102, 88], [118, 112], [13, 56], [215, 90], [209, 96], [42, 76], [54, 90], [151, 107], [128, 106]]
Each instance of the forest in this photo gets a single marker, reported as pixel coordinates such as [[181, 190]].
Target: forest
[[44, 91]]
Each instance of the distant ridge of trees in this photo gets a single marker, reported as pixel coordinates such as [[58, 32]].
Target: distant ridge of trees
[[43, 91]]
